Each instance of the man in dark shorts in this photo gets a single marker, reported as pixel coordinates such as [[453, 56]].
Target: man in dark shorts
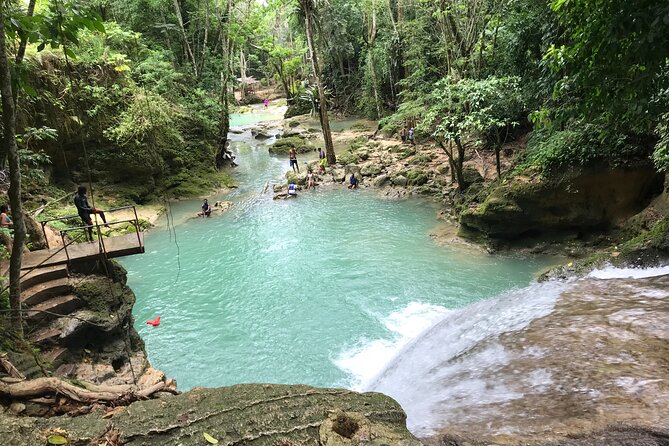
[[206, 209], [292, 156], [85, 210]]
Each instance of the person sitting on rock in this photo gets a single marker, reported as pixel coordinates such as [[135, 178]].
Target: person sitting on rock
[[353, 181], [206, 209], [5, 219], [292, 190], [311, 180]]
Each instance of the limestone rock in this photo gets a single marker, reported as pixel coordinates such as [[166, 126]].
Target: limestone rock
[[17, 408], [577, 199], [400, 180], [291, 133], [381, 180], [371, 170], [471, 175], [261, 134], [255, 415]]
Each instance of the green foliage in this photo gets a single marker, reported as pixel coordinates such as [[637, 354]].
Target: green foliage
[[455, 110], [661, 154], [147, 135], [579, 145], [610, 60]]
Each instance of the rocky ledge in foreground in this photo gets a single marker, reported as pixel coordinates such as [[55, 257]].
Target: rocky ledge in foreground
[[251, 414]]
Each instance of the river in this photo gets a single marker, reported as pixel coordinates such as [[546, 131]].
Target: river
[[324, 289]]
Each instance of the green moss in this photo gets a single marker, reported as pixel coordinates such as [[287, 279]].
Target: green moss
[[282, 146], [421, 160], [416, 177]]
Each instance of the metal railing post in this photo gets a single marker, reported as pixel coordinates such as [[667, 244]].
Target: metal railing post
[[46, 239], [139, 240], [67, 254], [101, 243]]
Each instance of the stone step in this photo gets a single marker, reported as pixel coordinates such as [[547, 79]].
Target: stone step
[[43, 291], [41, 275], [55, 356], [61, 305], [46, 336]]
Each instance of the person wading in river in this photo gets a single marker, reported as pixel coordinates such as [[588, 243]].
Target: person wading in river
[[85, 210], [292, 156]]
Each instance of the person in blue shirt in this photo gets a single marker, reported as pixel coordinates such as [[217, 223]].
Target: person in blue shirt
[[354, 182], [292, 190]]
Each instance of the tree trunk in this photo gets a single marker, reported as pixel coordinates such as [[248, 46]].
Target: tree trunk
[[462, 185], [9, 146], [242, 73], [370, 61], [323, 106], [189, 51], [224, 124], [18, 60]]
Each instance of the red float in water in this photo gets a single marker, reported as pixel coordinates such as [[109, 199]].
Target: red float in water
[[154, 322]]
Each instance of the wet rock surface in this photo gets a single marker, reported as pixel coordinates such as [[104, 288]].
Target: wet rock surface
[[599, 359]]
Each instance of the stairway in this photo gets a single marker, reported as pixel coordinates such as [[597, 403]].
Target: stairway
[[46, 296]]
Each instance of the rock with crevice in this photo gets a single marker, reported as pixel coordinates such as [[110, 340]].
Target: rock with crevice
[[252, 415]]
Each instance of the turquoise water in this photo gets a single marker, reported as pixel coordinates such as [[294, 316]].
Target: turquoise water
[[323, 289]]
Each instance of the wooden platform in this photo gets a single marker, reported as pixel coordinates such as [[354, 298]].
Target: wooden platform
[[118, 246]]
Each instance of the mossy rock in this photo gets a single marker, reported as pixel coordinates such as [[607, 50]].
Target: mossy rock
[[416, 177], [371, 171], [293, 124], [282, 146], [254, 415], [297, 108], [421, 160], [471, 175]]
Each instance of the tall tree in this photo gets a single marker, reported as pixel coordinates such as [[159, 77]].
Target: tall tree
[[10, 147], [223, 13], [310, 15]]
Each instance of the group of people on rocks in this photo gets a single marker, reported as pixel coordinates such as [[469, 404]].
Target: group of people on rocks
[[311, 177]]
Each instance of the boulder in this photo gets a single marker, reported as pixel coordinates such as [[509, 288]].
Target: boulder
[[471, 175], [292, 132], [381, 180], [254, 415], [371, 170], [400, 180], [416, 177], [261, 134], [580, 199]]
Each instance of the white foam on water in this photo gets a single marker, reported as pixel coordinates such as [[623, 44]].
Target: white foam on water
[[629, 273], [364, 361], [445, 364]]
